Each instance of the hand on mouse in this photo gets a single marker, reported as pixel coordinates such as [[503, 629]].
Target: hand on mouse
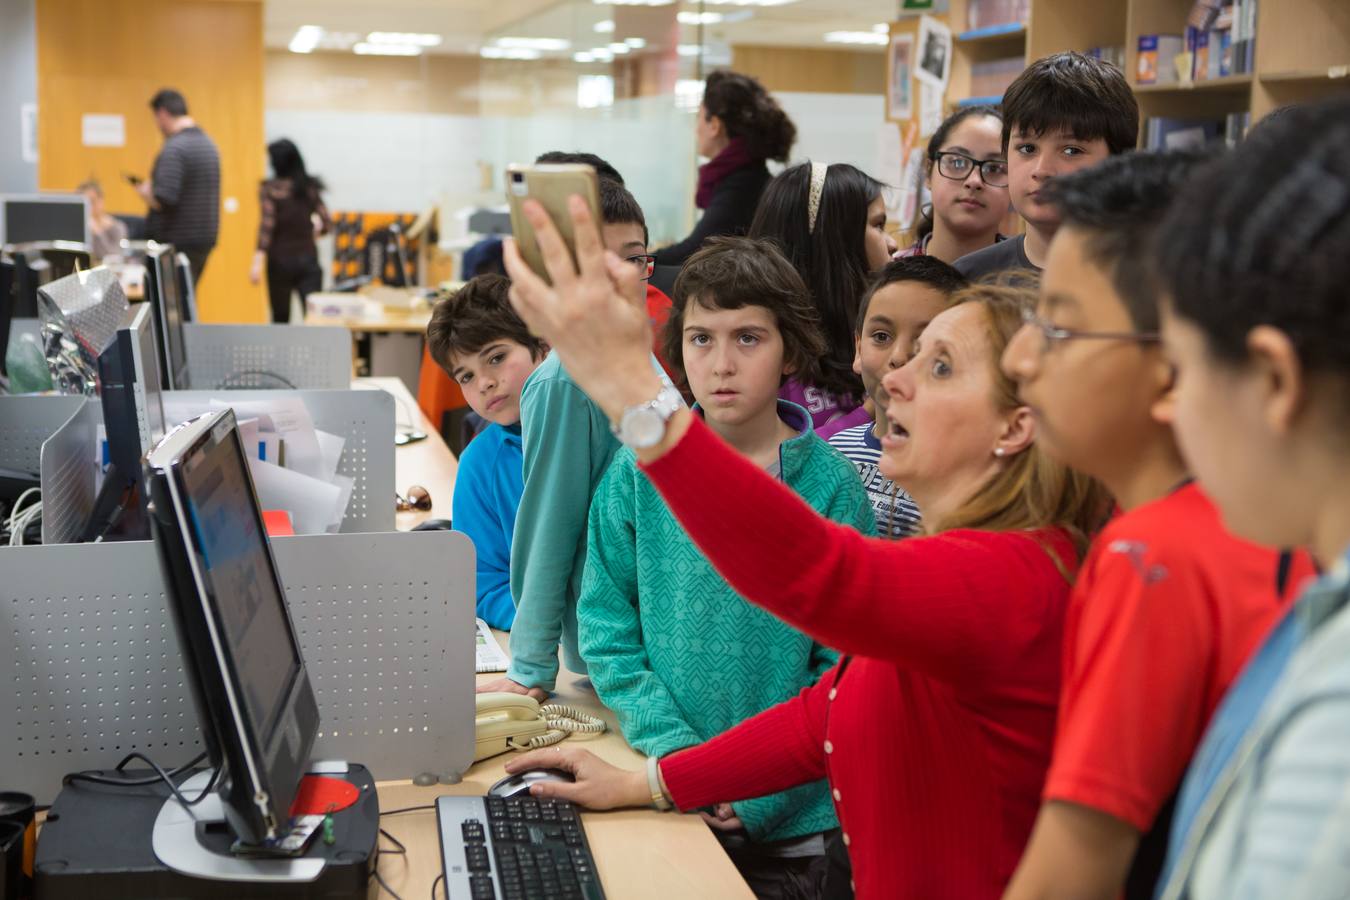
[[598, 784], [506, 685]]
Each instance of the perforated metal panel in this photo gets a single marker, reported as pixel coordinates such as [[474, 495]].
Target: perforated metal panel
[[365, 419], [69, 472], [267, 356], [27, 421], [90, 667]]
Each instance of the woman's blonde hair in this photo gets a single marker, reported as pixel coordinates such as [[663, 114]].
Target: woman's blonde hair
[[1031, 491]]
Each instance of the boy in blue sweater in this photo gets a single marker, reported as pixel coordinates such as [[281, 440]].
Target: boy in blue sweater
[[479, 340], [654, 616]]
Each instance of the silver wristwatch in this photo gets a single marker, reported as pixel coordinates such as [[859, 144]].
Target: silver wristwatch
[[644, 425]]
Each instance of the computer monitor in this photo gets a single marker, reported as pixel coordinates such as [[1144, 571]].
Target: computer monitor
[[161, 291], [133, 419], [44, 217], [255, 705], [187, 288], [7, 276]]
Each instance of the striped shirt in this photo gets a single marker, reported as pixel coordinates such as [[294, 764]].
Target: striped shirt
[[186, 181], [896, 513]]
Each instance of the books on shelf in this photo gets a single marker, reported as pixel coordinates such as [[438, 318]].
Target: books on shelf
[[1157, 58], [982, 14], [1113, 55], [1227, 46], [991, 79], [1166, 133]]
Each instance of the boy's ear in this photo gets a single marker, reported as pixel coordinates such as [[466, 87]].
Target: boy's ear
[[857, 355], [1163, 409]]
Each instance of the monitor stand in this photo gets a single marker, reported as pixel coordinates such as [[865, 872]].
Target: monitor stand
[[176, 844], [105, 841]]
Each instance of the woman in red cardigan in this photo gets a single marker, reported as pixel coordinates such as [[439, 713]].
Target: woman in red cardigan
[[935, 730]]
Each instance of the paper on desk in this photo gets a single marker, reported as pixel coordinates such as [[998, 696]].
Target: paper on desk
[[312, 503], [345, 486], [330, 452], [292, 421]]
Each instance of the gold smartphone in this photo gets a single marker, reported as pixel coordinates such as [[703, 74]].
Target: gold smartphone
[[550, 185]]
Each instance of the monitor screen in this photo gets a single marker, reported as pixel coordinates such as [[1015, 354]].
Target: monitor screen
[[259, 715], [7, 301], [133, 420], [162, 291], [54, 217]]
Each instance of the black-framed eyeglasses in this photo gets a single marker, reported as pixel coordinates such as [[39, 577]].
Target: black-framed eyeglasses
[[958, 166], [646, 265], [1052, 334]]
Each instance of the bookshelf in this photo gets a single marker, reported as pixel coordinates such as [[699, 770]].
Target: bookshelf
[[1302, 52]]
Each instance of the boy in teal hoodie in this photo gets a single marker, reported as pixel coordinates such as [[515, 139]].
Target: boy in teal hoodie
[[481, 343], [671, 648], [568, 446]]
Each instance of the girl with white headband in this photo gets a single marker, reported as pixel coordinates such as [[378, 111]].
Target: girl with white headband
[[831, 223]]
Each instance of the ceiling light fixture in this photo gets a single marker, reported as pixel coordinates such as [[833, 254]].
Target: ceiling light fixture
[[881, 28], [605, 27], [404, 38], [509, 53], [635, 43], [531, 43], [366, 48], [697, 18], [306, 38], [857, 37]]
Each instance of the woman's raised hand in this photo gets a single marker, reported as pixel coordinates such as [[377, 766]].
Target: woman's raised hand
[[601, 336]]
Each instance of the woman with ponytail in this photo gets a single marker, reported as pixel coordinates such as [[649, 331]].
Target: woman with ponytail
[[739, 126]]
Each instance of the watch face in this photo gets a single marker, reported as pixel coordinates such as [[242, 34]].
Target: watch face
[[643, 428]]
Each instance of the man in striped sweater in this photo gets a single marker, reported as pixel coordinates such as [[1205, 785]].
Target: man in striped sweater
[[183, 191]]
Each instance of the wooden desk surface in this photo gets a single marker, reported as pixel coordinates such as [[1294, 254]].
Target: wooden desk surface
[[638, 853], [428, 463], [376, 316]]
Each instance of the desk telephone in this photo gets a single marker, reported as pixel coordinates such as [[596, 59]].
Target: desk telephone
[[508, 721]]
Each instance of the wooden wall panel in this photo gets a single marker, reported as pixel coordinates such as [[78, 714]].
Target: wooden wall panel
[[813, 71], [110, 56]]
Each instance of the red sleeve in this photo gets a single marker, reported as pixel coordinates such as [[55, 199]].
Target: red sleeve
[[778, 749], [1133, 706], [958, 606]]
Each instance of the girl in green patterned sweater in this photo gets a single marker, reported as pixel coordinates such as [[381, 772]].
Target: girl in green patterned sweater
[[671, 648]]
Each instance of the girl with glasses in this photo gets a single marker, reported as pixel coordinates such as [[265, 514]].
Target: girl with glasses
[[967, 173]]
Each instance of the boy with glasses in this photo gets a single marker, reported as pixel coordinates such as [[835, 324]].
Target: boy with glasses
[[1064, 113], [1167, 605]]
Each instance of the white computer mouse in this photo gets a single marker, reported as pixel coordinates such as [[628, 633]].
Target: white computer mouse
[[519, 783]]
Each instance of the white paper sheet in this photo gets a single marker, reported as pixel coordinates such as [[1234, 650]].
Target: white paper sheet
[[310, 502]]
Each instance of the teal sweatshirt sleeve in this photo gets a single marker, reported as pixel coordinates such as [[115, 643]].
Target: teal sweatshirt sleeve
[[609, 625], [848, 505], [487, 489], [560, 427]]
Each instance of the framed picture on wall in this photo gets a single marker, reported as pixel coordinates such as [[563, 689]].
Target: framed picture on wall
[[900, 87], [935, 53]]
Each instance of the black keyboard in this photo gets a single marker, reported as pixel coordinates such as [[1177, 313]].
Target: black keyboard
[[516, 849]]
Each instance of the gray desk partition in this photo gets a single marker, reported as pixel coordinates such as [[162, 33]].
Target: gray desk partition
[[365, 418], [92, 668], [267, 356], [60, 434]]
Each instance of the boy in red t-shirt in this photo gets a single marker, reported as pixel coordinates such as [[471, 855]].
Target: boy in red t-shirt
[[1168, 604]]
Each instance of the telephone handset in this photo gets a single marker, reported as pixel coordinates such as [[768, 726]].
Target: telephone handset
[[507, 721]]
